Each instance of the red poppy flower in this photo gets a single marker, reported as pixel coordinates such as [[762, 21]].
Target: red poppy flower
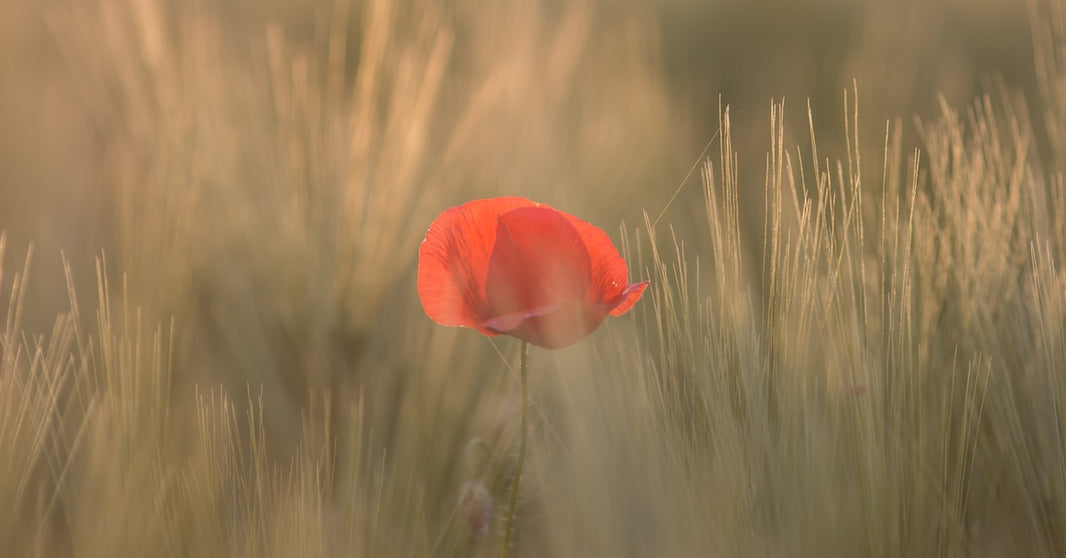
[[512, 266]]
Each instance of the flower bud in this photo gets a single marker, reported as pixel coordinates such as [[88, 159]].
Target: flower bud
[[476, 507]]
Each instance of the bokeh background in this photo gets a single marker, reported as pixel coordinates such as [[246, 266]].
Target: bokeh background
[[599, 106], [255, 176]]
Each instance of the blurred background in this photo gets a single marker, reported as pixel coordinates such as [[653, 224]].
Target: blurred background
[[598, 107], [260, 173], [263, 171]]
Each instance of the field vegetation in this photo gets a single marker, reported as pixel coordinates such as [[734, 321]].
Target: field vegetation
[[852, 214]]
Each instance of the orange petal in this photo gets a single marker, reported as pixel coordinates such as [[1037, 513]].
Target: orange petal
[[539, 261], [453, 261], [564, 325], [509, 265], [609, 274], [631, 296]]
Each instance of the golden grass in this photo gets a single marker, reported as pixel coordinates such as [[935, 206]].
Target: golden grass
[[873, 367]]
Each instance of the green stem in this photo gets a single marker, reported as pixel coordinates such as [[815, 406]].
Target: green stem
[[521, 455]]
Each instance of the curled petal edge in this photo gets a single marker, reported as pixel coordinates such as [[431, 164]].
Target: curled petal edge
[[630, 295]]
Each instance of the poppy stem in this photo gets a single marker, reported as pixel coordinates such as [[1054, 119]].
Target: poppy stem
[[521, 455]]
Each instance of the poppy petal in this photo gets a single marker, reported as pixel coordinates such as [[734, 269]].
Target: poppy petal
[[566, 324], [509, 265], [453, 261], [539, 260], [631, 296], [609, 274], [509, 322]]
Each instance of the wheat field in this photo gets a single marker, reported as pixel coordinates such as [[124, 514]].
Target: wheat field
[[852, 215]]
